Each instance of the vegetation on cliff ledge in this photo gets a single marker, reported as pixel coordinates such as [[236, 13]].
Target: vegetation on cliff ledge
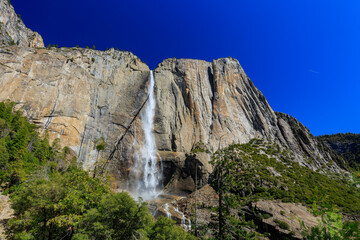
[[262, 170], [245, 173]]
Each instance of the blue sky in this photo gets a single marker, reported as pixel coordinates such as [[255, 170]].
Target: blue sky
[[303, 55]]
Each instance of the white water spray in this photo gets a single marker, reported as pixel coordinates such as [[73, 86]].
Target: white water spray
[[145, 167], [183, 218], [166, 208]]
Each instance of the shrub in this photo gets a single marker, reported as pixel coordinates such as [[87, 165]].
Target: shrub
[[164, 229], [282, 225], [100, 144], [331, 226], [118, 216]]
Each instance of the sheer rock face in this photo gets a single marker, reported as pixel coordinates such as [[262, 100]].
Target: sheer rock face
[[216, 104], [81, 95], [76, 95], [13, 31], [213, 103]]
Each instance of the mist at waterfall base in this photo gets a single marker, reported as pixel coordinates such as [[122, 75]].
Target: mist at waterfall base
[[145, 171]]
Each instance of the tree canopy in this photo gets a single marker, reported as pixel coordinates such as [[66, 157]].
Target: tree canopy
[[54, 199]]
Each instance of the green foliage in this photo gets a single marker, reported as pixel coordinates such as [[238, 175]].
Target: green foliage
[[4, 155], [93, 47], [231, 221], [22, 150], [341, 137], [262, 170], [100, 144], [165, 228], [53, 199], [118, 216], [72, 205], [282, 225], [245, 173], [266, 216], [332, 226], [199, 147], [47, 208], [52, 46]]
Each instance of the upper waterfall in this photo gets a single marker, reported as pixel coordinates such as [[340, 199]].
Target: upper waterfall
[[146, 166]]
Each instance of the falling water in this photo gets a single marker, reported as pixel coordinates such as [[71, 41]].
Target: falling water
[[168, 214], [183, 218], [145, 166]]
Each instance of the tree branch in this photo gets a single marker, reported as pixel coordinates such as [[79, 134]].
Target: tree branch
[[111, 156]]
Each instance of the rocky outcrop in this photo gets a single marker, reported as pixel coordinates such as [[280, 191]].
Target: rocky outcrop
[[282, 220], [310, 152], [178, 209], [6, 212], [13, 31]]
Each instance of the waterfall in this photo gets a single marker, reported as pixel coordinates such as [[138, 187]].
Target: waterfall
[[166, 208], [145, 169], [183, 218]]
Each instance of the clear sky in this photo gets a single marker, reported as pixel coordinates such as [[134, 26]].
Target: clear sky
[[303, 55]]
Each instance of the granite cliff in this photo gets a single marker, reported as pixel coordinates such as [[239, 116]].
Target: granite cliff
[[83, 95], [13, 31]]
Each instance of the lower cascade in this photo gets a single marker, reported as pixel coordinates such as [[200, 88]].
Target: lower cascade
[[145, 169], [166, 208], [183, 219]]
